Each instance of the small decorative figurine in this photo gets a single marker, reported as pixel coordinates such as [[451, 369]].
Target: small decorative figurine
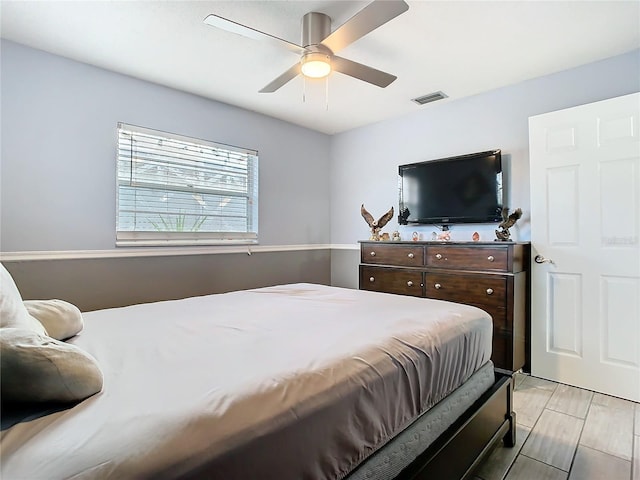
[[376, 225], [444, 236], [415, 237], [395, 236], [508, 221], [475, 237]]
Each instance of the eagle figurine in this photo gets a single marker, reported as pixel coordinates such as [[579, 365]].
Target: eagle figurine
[[507, 222], [375, 225]]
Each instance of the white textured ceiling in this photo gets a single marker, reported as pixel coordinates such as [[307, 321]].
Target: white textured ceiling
[[461, 48]]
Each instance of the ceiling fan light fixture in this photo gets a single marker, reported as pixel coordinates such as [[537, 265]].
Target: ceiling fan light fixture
[[316, 65]]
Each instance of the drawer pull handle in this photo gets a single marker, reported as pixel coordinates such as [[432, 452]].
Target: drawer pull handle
[[373, 254], [410, 255], [438, 286], [372, 279], [409, 283], [438, 256], [490, 258], [489, 291]]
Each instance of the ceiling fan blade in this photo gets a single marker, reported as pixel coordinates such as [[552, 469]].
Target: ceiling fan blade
[[234, 27], [361, 72], [372, 16], [290, 74]]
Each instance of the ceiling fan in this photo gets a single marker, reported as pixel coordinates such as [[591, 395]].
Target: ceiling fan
[[319, 44]]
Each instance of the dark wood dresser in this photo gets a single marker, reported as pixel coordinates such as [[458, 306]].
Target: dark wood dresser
[[490, 275]]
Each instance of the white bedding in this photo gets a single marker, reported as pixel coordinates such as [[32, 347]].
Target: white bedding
[[291, 382]]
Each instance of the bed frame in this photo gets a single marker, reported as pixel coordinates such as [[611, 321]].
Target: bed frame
[[461, 448]]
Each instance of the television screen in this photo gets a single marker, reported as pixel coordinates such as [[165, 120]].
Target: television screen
[[463, 189]]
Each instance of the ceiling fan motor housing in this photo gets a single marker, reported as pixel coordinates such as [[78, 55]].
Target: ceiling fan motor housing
[[316, 61], [315, 28]]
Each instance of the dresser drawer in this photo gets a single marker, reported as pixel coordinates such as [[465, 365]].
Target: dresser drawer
[[391, 280], [468, 258], [402, 255], [475, 290]]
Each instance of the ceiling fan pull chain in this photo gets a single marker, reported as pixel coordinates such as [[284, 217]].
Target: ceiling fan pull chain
[[304, 89], [326, 93]]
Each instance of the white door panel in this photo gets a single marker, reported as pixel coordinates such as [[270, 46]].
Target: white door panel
[[617, 313], [564, 324], [585, 217]]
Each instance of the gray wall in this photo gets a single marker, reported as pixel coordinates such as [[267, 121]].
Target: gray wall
[[344, 268], [57, 184], [112, 282], [57, 172], [58, 153], [364, 161]]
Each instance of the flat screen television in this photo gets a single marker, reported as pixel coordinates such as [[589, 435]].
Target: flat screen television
[[462, 189]]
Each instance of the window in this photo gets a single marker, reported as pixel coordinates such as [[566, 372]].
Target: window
[[175, 190]]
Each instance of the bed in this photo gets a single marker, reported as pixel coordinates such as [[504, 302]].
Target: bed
[[288, 382]]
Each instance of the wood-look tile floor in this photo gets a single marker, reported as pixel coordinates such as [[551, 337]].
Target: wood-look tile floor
[[566, 433]]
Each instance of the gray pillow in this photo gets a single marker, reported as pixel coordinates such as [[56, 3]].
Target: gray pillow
[[13, 313], [61, 319], [37, 368]]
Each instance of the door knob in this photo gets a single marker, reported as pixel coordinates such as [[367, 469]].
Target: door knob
[[373, 254], [371, 279], [409, 283], [490, 258], [489, 291], [410, 255], [541, 259], [438, 286], [438, 256]]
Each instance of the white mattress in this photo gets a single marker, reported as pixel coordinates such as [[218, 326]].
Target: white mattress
[[291, 382]]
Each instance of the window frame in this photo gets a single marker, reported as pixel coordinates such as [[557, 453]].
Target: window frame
[[132, 238]]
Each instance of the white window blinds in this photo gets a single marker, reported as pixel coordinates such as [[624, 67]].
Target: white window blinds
[[175, 190]]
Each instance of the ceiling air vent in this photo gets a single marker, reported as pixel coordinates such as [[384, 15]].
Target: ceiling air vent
[[429, 97]]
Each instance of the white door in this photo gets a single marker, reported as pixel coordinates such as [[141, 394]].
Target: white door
[[585, 218]]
